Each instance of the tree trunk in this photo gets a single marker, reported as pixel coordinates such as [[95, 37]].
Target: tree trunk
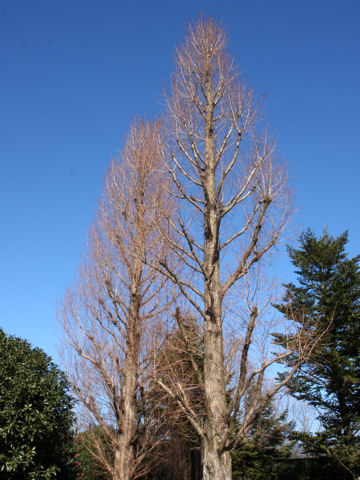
[[125, 456], [215, 467], [124, 462], [216, 462]]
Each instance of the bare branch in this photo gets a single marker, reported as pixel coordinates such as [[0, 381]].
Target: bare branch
[[112, 318]]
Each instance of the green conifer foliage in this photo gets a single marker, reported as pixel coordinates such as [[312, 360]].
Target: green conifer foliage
[[262, 455], [328, 291]]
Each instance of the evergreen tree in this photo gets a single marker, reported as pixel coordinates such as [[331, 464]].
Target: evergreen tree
[[268, 444], [180, 455], [35, 415], [328, 291]]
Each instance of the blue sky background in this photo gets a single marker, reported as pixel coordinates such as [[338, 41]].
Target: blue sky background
[[74, 72]]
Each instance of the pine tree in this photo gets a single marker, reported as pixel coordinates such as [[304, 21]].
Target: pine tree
[[328, 291], [262, 454]]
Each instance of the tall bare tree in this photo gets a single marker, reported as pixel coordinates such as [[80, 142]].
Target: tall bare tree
[[111, 315], [234, 205]]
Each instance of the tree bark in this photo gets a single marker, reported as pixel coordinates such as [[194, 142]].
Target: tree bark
[[216, 466], [126, 461], [124, 467]]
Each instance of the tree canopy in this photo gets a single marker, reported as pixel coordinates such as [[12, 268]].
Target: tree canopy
[[35, 414]]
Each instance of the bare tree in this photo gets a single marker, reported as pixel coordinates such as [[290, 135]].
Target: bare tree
[[234, 205], [112, 315]]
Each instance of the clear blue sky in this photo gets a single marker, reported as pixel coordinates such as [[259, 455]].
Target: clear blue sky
[[74, 72]]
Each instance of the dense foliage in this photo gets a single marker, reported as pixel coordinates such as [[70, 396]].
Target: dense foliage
[[35, 414], [90, 468], [328, 292], [261, 455]]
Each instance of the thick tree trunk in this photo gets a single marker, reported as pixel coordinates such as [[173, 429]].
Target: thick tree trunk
[[216, 462], [124, 461], [125, 456], [215, 467]]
